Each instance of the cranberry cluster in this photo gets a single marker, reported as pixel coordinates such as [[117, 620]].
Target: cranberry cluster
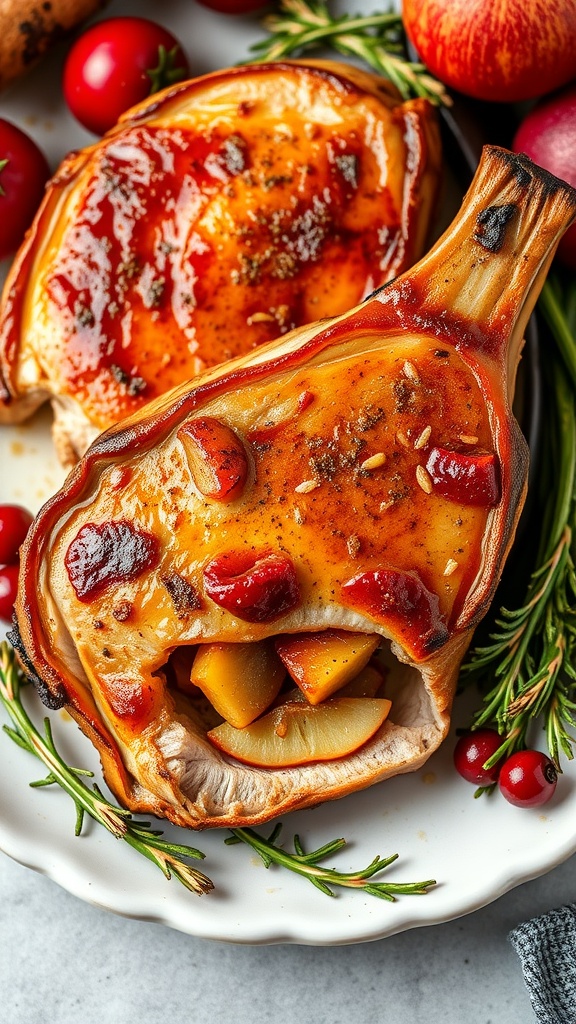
[[15, 522], [526, 779]]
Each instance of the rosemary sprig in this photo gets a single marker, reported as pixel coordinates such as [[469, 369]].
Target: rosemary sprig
[[169, 857], [532, 656], [378, 39], [323, 878]]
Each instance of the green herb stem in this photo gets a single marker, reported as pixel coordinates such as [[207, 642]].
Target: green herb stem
[[529, 669], [172, 858], [308, 865], [377, 39], [120, 822]]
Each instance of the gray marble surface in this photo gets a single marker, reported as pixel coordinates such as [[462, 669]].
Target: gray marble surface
[[64, 961]]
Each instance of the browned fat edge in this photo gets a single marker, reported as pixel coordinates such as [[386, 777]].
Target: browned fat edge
[[347, 80], [15, 289], [42, 668]]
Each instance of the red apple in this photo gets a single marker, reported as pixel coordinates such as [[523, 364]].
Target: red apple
[[505, 51], [322, 663], [548, 136]]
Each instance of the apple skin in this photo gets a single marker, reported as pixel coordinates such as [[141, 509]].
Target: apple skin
[[297, 733], [548, 136], [502, 51]]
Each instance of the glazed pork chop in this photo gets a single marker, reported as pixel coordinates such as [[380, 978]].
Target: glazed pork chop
[[216, 216], [255, 594]]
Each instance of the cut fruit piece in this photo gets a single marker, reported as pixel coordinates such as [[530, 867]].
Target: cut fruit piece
[[239, 680], [179, 668], [366, 684], [299, 734], [216, 458], [255, 588], [322, 663]]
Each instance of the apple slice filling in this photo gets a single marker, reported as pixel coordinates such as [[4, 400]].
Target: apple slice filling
[[296, 733], [262, 718]]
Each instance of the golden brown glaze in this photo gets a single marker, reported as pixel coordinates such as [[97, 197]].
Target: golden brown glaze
[[220, 215], [371, 474]]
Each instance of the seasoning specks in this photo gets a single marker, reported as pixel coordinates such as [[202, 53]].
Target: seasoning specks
[[306, 486], [410, 371], [353, 545], [374, 462], [424, 437], [424, 479]]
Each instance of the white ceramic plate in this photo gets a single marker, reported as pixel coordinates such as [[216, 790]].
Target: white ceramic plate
[[476, 850]]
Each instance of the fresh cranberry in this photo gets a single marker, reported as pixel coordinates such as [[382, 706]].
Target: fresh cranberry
[[8, 588], [471, 753], [15, 522], [528, 778]]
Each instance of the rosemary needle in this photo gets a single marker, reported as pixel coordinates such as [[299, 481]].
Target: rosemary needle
[[308, 864]]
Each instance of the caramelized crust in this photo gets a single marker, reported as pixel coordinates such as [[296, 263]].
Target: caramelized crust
[[222, 214], [362, 474]]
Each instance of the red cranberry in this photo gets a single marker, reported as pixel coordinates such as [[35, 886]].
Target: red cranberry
[[8, 589], [254, 588], [528, 778], [465, 478], [15, 522], [471, 753], [109, 553]]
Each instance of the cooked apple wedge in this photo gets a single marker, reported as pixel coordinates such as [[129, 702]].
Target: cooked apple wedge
[[239, 680], [296, 733], [368, 683], [322, 663]]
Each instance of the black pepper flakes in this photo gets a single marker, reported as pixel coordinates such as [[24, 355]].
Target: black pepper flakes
[[184, 595]]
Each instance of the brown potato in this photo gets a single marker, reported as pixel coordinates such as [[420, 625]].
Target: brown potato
[[28, 28]]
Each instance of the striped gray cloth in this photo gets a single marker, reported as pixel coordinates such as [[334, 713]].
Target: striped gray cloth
[[547, 950]]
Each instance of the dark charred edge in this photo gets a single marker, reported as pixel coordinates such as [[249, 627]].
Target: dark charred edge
[[491, 229], [53, 701], [525, 171], [437, 640], [5, 397]]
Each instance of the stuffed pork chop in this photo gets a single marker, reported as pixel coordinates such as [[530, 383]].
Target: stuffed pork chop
[[255, 595], [213, 218]]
